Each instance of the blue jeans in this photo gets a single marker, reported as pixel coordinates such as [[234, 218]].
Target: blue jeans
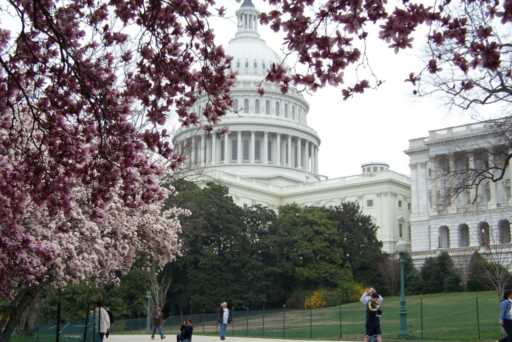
[[222, 330], [100, 337], [159, 329]]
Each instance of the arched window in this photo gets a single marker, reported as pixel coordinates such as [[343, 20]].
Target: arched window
[[246, 105], [257, 106], [444, 237], [484, 236], [267, 107], [463, 235], [504, 231]]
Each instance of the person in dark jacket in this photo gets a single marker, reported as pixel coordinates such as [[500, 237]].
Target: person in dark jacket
[[223, 318], [189, 330], [373, 315], [157, 323]]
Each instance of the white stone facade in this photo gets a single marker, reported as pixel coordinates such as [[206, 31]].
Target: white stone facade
[[464, 223], [270, 154]]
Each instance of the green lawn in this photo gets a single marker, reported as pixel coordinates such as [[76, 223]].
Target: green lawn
[[448, 317], [445, 317]]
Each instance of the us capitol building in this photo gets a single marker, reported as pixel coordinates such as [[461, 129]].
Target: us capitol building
[[270, 157]]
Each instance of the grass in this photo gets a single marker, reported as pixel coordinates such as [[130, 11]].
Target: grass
[[436, 317], [441, 317]]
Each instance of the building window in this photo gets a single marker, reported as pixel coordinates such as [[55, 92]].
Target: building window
[[399, 204], [409, 206], [234, 148], [257, 106], [401, 230], [257, 150], [222, 142], [286, 110], [267, 107], [504, 231], [235, 105], [269, 150], [246, 106], [463, 235], [293, 112], [483, 234], [246, 148], [278, 108], [369, 203], [444, 237]]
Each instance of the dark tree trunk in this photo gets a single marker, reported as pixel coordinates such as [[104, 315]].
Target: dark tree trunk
[[18, 307]]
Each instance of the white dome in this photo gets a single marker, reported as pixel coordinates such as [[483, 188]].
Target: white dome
[[251, 56]]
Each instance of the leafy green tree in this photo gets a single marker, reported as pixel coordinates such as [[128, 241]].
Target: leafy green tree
[[308, 249], [358, 240], [439, 275], [221, 251], [478, 279]]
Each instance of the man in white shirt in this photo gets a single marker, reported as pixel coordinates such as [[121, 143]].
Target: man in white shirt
[[102, 321], [223, 318]]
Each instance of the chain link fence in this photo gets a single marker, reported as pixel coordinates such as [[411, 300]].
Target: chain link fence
[[431, 318]]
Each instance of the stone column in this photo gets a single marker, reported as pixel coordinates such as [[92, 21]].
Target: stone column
[[252, 152], [492, 185], [202, 159], [278, 149], [299, 153], [434, 185], [315, 159], [264, 152], [226, 150], [239, 152], [471, 166], [451, 193], [309, 154], [289, 151], [193, 150], [214, 148]]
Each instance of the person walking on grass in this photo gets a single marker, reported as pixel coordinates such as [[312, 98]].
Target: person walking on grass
[[223, 318], [366, 298], [102, 321], [157, 323], [506, 315]]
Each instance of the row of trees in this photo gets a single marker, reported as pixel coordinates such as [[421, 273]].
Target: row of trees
[[254, 257]]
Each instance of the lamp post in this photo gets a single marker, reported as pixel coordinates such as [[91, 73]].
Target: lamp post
[[402, 248]]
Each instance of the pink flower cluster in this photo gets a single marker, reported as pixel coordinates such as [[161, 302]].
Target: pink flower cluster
[[65, 249], [468, 39]]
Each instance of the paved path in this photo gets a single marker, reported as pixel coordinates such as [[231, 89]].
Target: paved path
[[196, 338]]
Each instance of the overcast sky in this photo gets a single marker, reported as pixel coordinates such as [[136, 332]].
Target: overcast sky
[[374, 126]]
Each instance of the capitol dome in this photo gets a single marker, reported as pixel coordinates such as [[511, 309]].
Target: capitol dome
[[268, 136], [251, 54]]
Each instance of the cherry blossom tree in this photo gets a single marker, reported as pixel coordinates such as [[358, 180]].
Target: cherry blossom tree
[[86, 90], [58, 250]]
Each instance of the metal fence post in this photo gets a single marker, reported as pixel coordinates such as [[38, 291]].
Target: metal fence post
[[57, 328], [201, 317], [247, 321], [421, 317], [284, 320], [86, 325], [477, 318], [340, 323], [263, 320], [311, 323]]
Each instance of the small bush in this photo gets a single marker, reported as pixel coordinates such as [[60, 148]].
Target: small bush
[[316, 300]]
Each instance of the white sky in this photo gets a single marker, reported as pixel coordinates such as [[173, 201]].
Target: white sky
[[374, 126]]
